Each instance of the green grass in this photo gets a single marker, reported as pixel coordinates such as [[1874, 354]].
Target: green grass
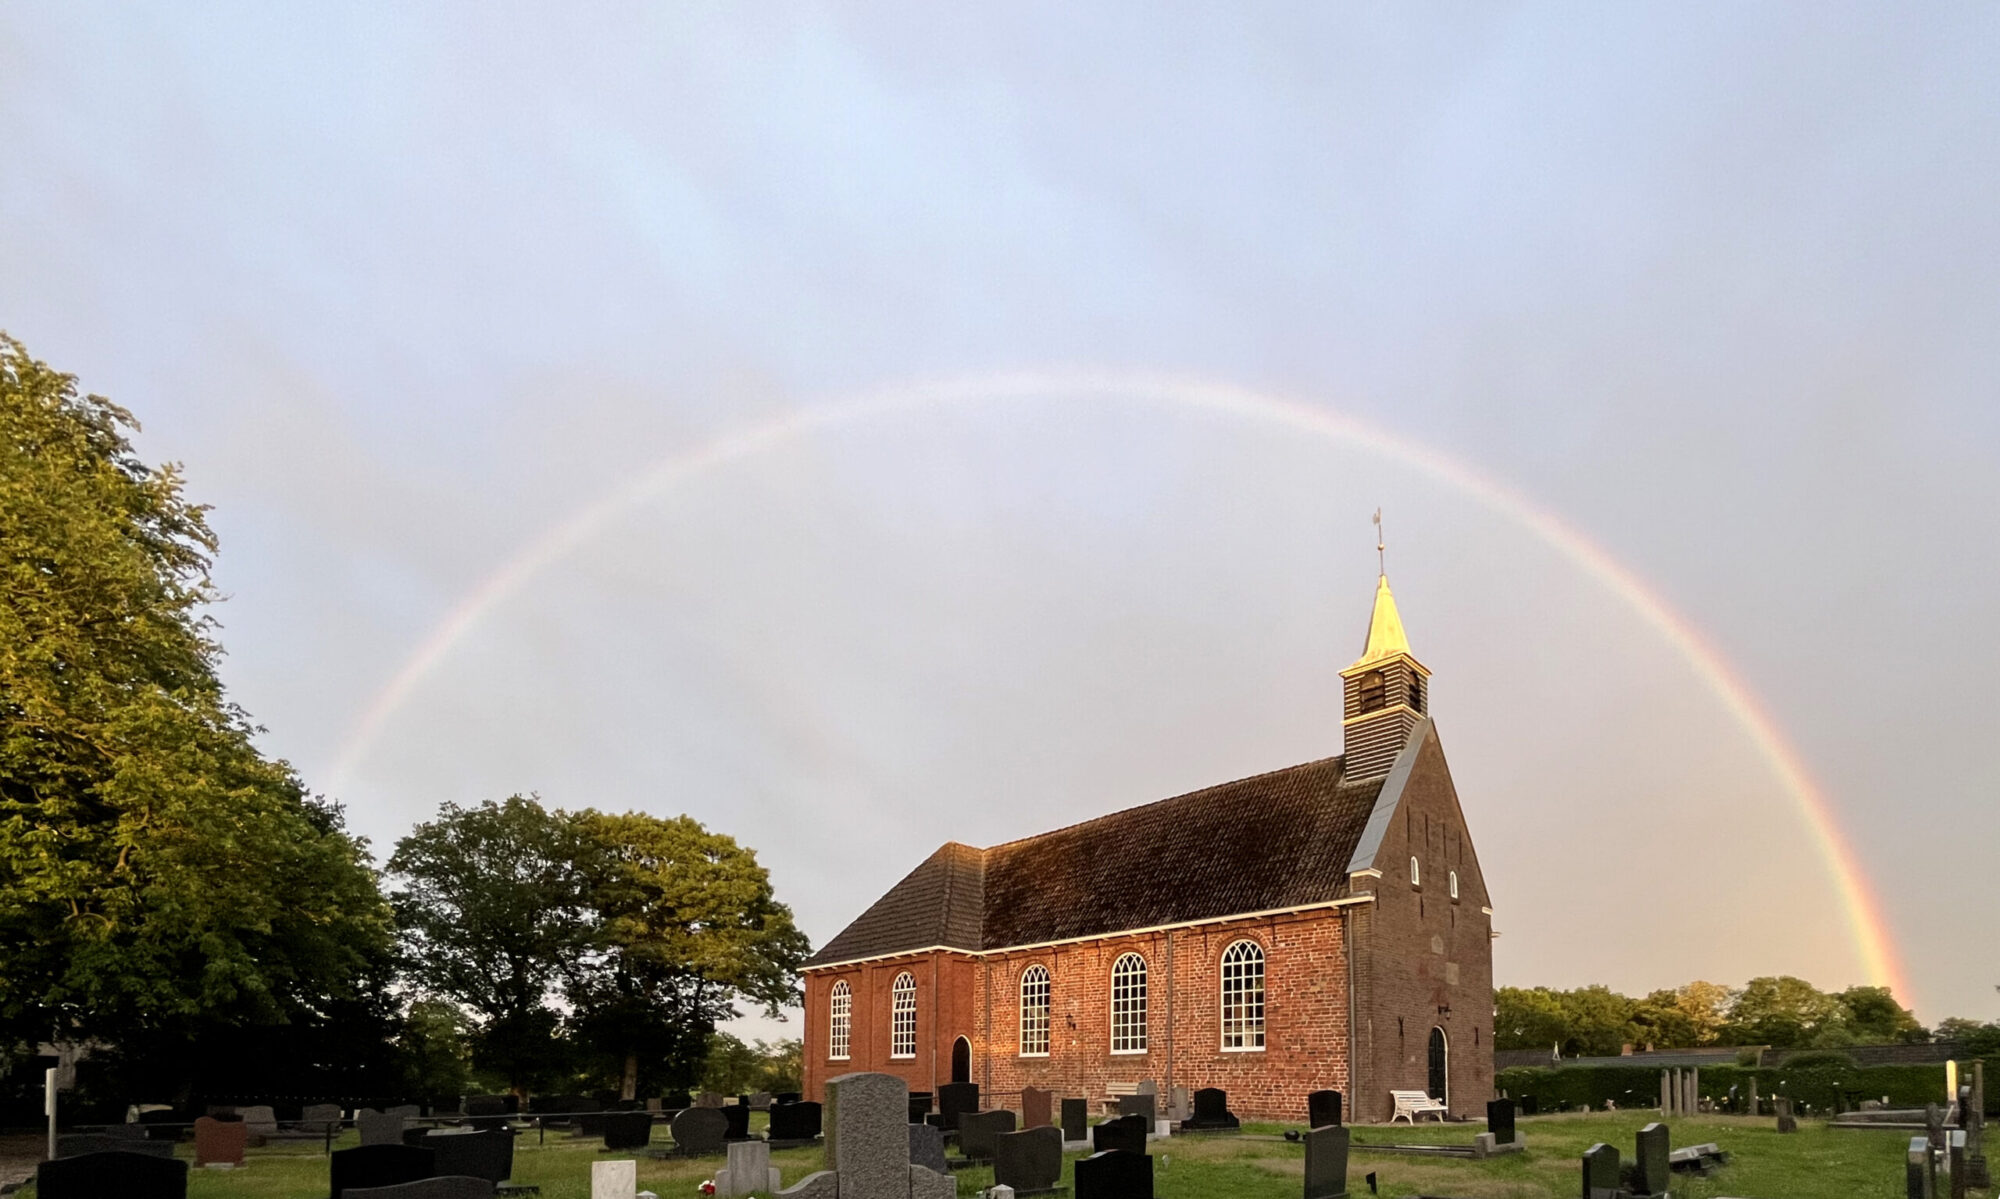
[[1813, 1163]]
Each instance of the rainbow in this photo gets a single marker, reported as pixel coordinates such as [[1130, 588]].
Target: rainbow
[[1870, 931]]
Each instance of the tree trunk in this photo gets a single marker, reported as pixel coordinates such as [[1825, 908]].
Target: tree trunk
[[631, 1088]]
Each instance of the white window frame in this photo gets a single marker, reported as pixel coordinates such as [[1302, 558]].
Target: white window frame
[[1128, 1004], [1246, 1028], [1454, 884], [840, 1021], [1035, 995], [1416, 872], [903, 1016]]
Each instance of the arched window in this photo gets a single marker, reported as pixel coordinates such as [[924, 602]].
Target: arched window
[[903, 1016], [1034, 1012], [841, 1010], [1454, 884], [1128, 1004], [1417, 692], [1439, 1080], [1243, 996], [1416, 875], [1374, 691]]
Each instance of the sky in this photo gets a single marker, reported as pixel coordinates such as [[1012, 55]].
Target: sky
[[781, 414]]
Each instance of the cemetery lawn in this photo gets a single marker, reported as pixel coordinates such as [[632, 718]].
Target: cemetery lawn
[[1813, 1163]]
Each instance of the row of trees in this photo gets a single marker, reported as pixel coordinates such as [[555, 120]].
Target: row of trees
[[1781, 1011], [183, 904]]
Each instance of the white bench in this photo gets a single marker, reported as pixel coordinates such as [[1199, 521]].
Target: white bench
[[1412, 1104]]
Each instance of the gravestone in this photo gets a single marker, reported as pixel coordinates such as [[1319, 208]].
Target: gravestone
[[955, 1099], [378, 1166], [1666, 1093], [1211, 1111], [977, 1131], [674, 1101], [737, 1122], [1600, 1172], [1114, 1174], [699, 1131], [379, 1128], [1035, 1104], [1934, 1126], [1787, 1122], [868, 1144], [161, 1116], [1322, 1109], [708, 1099], [793, 1124], [920, 1106], [219, 1142], [927, 1148], [1180, 1104], [487, 1111], [1075, 1119], [488, 1155], [614, 1180], [1030, 1161], [260, 1119], [1917, 1182], [1954, 1149], [589, 1118], [409, 1111], [123, 1174], [1531, 1105], [320, 1118], [1750, 1095], [76, 1144], [1326, 1162], [759, 1100], [1650, 1164], [749, 1169], [788, 1097], [442, 1187], [1141, 1105], [627, 1130], [1127, 1133], [1500, 1120]]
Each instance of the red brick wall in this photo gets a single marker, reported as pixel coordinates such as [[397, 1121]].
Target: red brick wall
[[1305, 1015], [1418, 951]]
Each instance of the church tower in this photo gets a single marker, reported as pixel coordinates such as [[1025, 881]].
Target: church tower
[[1384, 694]]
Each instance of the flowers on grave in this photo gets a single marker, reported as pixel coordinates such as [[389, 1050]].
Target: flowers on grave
[[707, 1187]]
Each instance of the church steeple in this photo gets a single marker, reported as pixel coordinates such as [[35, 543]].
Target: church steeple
[[1384, 694]]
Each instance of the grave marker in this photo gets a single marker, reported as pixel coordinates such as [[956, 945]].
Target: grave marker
[[1600, 1172], [749, 1170], [122, 1174], [955, 1099], [1114, 1174], [1211, 1111], [1127, 1133], [1075, 1119], [378, 1166], [614, 1180], [1326, 1162], [699, 1131], [1322, 1109], [428, 1188], [1650, 1163], [627, 1130], [219, 1142], [977, 1132], [927, 1148], [1035, 1107], [1500, 1121], [1030, 1161]]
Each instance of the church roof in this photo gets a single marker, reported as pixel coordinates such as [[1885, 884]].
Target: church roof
[[1385, 629], [1265, 843]]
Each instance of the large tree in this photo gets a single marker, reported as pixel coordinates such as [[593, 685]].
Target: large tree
[[158, 875]]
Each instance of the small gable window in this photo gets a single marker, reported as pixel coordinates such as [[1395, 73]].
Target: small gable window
[[1416, 873], [903, 1016], [1374, 691], [1454, 884], [1128, 1004], [841, 1011], [1035, 1012], [1243, 996]]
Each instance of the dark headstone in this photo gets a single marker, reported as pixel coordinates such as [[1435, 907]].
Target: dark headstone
[[378, 1166], [76, 1144], [320, 1118], [219, 1141], [1326, 1162], [1030, 1160], [420, 1137], [1035, 1107], [1126, 1132], [675, 1101], [488, 1155], [737, 1116], [956, 1098], [378, 1128], [627, 1130], [920, 1106], [123, 1174], [1600, 1172], [1787, 1122], [1917, 1170], [700, 1132], [1141, 1105], [1531, 1105], [794, 1122], [151, 1119], [1955, 1159], [927, 1148], [788, 1097], [1075, 1119], [1114, 1174], [441, 1187], [1500, 1120], [487, 1112], [977, 1131], [1211, 1111], [1650, 1165], [1322, 1109]]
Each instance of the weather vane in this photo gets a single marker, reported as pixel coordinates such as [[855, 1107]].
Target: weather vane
[[1381, 545]]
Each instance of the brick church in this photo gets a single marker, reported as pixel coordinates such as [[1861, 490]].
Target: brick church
[[1321, 926]]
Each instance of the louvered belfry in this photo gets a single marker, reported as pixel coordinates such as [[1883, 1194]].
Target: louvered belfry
[[1384, 694]]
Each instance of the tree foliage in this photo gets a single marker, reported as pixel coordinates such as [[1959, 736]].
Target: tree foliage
[[157, 873], [1780, 1011]]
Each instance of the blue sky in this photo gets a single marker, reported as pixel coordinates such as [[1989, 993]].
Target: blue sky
[[404, 287]]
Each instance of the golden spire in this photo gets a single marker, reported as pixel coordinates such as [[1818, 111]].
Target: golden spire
[[1385, 628]]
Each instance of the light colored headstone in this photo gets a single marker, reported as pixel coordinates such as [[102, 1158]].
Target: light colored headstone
[[867, 1135], [614, 1180], [749, 1170], [928, 1184], [822, 1185], [999, 1192]]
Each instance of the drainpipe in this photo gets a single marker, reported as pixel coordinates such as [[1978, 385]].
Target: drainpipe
[[1173, 986]]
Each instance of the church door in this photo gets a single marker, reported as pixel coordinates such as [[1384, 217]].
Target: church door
[[1440, 1087], [961, 1060]]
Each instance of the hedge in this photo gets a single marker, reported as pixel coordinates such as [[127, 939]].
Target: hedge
[[1819, 1090]]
